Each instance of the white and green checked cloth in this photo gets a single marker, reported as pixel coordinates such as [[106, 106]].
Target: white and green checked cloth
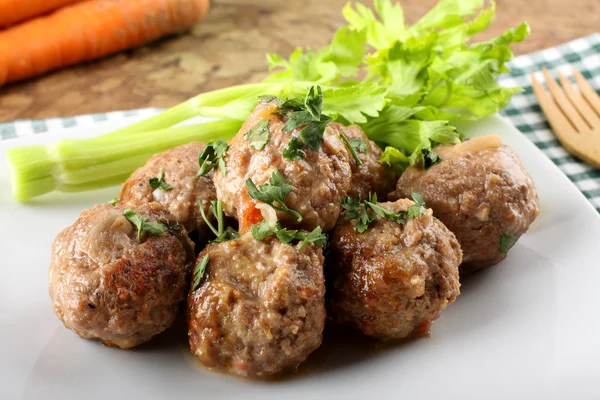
[[523, 111]]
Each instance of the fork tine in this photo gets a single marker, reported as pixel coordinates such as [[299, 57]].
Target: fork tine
[[590, 94], [564, 104], [579, 102], [555, 116]]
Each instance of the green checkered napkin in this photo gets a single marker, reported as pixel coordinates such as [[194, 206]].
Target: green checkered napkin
[[523, 111], [526, 114]]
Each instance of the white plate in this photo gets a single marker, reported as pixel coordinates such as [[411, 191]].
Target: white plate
[[525, 329]]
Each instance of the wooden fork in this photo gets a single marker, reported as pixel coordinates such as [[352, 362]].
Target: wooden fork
[[574, 115]]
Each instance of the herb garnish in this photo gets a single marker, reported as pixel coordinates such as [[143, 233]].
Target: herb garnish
[[430, 158], [199, 271], [143, 224], [507, 242], [267, 98], [211, 156], [222, 233], [351, 149], [293, 151], [359, 145], [287, 236], [159, 183], [273, 192], [364, 217], [306, 113], [258, 135], [114, 201]]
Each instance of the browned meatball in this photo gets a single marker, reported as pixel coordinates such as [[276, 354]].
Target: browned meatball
[[180, 166], [320, 181], [481, 192], [392, 281], [371, 176], [260, 308], [106, 286]]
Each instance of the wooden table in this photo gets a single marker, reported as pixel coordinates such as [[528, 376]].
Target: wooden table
[[229, 47]]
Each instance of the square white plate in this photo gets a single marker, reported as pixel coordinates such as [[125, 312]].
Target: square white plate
[[525, 329]]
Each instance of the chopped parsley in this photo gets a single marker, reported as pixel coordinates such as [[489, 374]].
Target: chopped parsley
[[144, 224], [212, 156], [159, 183], [507, 242], [307, 114], [221, 232], [417, 209], [258, 135], [263, 231], [367, 211], [199, 271], [430, 158], [293, 151], [114, 201], [317, 238], [358, 145], [273, 193], [351, 149], [267, 98]]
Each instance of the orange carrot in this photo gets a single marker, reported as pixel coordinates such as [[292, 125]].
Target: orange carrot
[[88, 30], [13, 11], [248, 214]]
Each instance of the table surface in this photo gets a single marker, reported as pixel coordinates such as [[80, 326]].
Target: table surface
[[229, 46]]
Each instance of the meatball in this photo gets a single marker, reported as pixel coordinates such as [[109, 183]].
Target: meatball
[[105, 285], [319, 181], [180, 166], [260, 308], [481, 192], [392, 280], [371, 176]]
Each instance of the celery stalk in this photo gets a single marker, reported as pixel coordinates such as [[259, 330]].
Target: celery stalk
[[85, 164], [234, 102], [106, 160]]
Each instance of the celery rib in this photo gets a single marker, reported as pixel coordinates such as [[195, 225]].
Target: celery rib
[[86, 164]]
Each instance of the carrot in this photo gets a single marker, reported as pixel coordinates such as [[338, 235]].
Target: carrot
[[248, 215], [88, 30], [13, 11]]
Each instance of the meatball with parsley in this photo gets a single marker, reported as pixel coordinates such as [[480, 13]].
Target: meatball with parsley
[[288, 158], [392, 268], [119, 275], [257, 307], [368, 174], [480, 190], [172, 179]]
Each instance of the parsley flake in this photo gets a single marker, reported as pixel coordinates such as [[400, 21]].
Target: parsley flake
[[159, 183], [221, 232], [351, 149], [368, 211], [317, 238], [273, 192], [293, 150], [417, 209], [430, 158], [263, 231], [114, 201], [267, 98], [258, 135], [359, 145], [143, 224], [507, 242], [307, 114], [212, 156], [199, 271]]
